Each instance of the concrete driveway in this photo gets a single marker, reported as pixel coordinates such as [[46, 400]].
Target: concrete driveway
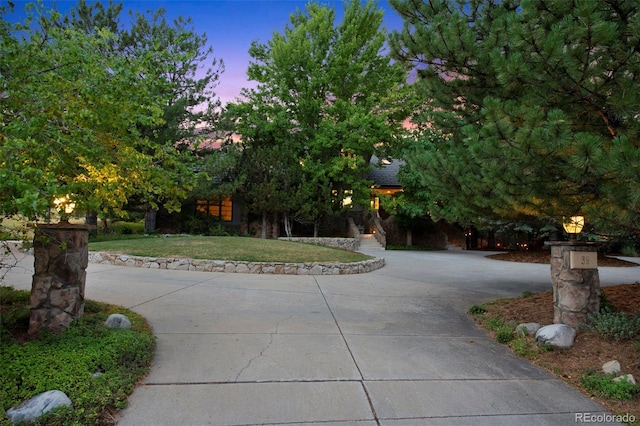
[[391, 347]]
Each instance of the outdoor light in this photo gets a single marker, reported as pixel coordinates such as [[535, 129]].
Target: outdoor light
[[65, 206], [574, 225]]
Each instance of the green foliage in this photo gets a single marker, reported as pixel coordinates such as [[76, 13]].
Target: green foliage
[[527, 347], [15, 312], [505, 332], [527, 293], [327, 98], [203, 225], [78, 119], [601, 384], [528, 110], [69, 362], [614, 325], [128, 228], [494, 323], [505, 335], [477, 310], [605, 304]]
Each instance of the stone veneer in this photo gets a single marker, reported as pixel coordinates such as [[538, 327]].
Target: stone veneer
[[351, 244], [576, 292], [182, 264], [57, 290]]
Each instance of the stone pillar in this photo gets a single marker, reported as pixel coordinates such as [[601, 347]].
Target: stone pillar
[[576, 286], [61, 253]]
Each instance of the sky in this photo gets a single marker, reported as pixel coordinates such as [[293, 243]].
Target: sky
[[230, 25]]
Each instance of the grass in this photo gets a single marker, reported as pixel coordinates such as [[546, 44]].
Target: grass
[[15, 228], [96, 367], [227, 248]]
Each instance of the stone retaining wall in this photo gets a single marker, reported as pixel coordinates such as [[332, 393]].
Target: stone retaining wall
[[351, 244], [237, 266]]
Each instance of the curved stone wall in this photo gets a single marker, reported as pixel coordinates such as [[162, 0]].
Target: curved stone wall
[[351, 244], [182, 264]]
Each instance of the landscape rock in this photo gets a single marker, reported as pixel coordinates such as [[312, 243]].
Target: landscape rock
[[117, 321], [40, 404], [529, 328], [558, 336], [611, 367], [627, 377]]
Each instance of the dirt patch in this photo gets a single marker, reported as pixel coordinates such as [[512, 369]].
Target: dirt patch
[[590, 351]]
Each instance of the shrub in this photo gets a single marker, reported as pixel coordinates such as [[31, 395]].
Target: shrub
[[601, 384], [526, 347], [15, 313], [70, 360], [605, 304], [494, 323], [614, 325], [128, 228], [505, 332], [477, 310], [505, 335]]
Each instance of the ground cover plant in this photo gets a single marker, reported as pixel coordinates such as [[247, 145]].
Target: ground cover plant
[[613, 334], [227, 248], [95, 366]]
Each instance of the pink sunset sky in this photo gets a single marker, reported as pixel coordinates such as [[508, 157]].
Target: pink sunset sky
[[230, 26]]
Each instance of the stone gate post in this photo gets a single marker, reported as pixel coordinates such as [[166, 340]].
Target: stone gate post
[[61, 254], [575, 281]]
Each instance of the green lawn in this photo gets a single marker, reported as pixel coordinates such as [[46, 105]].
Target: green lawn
[[227, 248]]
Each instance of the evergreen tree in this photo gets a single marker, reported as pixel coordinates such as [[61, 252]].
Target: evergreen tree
[[185, 74], [530, 108]]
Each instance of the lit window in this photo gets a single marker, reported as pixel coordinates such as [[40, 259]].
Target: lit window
[[221, 207]]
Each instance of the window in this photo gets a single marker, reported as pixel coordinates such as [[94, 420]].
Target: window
[[221, 207]]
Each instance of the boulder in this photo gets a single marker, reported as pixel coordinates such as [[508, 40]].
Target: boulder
[[40, 404], [529, 328], [627, 377], [611, 367], [558, 336], [117, 321]]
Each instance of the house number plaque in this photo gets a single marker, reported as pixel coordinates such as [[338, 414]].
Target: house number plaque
[[583, 259]]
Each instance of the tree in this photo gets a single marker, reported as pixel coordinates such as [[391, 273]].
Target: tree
[[185, 74], [529, 110], [329, 89], [72, 111]]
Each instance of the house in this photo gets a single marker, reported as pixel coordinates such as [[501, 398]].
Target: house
[[203, 215], [384, 174]]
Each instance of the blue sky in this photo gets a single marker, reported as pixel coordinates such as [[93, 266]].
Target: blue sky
[[230, 26]]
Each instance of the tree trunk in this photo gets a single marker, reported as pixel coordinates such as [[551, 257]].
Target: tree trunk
[[91, 219], [491, 239], [263, 234], [244, 222], [409, 237], [275, 227], [316, 226], [287, 224], [150, 216]]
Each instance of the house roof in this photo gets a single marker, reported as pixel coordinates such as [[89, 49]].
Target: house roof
[[384, 173]]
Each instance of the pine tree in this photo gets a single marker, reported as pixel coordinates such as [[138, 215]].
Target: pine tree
[[530, 108]]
